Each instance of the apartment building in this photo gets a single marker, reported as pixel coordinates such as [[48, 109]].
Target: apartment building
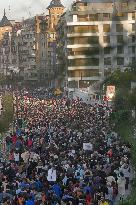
[[8, 45], [27, 51], [18, 50], [7, 53], [41, 24], [5, 29], [101, 37], [61, 38], [5, 26], [46, 45], [56, 9]]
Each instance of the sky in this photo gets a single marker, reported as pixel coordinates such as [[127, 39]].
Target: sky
[[19, 9]]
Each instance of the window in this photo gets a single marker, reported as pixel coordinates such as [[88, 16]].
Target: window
[[86, 29], [49, 44], [93, 28], [107, 61], [84, 62], [83, 18], [93, 51], [119, 27], [106, 39], [93, 17], [83, 73], [13, 48], [120, 49], [93, 40], [120, 39], [74, 18], [133, 39], [124, 5], [133, 16], [107, 50], [133, 60], [73, 84], [14, 61], [106, 28], [133, 27], [120, 14], [133, 49], [106, 16], [120, 61]]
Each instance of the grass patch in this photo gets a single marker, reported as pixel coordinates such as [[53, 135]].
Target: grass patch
[[7, 114]]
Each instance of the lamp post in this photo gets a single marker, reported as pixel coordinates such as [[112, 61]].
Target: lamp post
[[14, 88]]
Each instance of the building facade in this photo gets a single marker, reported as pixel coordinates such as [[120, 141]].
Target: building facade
[[62, 50], [41, 24], [17, 51], [27, 51], [56, 9], [46, 44], [99, 40], [8, 46], [5, 26]]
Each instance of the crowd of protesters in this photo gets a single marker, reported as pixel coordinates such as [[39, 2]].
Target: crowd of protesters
[[63, 152]]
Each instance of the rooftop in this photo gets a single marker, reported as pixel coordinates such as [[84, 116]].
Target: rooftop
[[55, 3], [5, 22]]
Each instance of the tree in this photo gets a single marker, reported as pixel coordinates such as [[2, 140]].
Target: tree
[[7, 115], [124, 103]]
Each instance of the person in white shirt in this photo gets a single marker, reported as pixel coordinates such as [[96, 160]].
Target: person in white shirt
[[121, 186], [125, 169], [16, 157]]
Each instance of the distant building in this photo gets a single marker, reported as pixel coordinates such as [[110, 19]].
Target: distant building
[[62, 60], [46, 44], [56, 9], [41, 26], [5, 26], [17, 50], [27, 51], [101, 37], [9, 45]]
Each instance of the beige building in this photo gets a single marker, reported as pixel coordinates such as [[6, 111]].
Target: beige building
[[45, 33], [5, 26], [8, 46], [100, 38], [56, 9]]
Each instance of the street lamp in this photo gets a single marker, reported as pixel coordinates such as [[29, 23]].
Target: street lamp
[[14, 85]]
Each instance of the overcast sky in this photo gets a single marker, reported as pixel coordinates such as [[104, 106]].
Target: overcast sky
[[17, 9]]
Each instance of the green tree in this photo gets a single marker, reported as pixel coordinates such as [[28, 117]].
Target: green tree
[[7, 115]]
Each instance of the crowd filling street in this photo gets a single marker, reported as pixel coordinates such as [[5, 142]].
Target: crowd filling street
[[63, 152]]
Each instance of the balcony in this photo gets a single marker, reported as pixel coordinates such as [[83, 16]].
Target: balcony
[[78, 23], [85, 78], [82, 56], [82, 45], [83, 67], [69, 35]]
